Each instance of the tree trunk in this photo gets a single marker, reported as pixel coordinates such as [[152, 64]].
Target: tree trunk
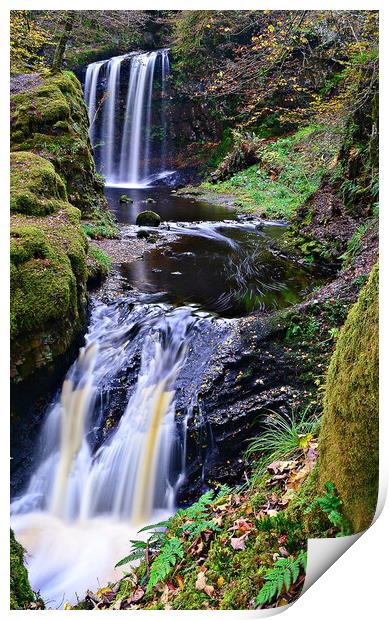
[[61, 45]]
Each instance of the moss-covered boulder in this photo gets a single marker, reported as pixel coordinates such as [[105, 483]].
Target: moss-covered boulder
[[124, 199], [148, 218], [51, 120], [349, 436], [36, 188], [48, 288], [99, 264], [21, 594], [53, 184]]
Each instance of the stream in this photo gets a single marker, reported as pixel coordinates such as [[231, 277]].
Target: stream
[[97, 477]]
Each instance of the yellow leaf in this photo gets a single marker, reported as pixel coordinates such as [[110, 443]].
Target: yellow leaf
[[220, 582]]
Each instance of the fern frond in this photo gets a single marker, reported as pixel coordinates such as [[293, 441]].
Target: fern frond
[[154, 526], [165, 560], [135, 555], [284, 573]]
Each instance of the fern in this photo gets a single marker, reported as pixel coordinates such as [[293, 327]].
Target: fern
[[284, 573], [331, 504], [165, 560], [196, 517]]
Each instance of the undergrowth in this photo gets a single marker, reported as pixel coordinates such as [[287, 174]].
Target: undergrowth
[[290, 170]]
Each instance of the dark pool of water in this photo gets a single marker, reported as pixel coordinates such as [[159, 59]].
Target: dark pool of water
[[169, 206], [228, 268]]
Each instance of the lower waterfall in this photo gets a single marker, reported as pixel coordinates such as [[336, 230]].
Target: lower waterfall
[[78, 493]]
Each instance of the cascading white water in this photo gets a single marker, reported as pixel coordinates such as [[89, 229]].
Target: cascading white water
[[125, 141], [131, 477], [91, 81]]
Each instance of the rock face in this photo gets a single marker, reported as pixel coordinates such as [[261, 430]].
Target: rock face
[[148, 218], [53, 184], [351, 411]]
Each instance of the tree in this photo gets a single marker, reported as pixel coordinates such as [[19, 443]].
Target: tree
[[61, 45]]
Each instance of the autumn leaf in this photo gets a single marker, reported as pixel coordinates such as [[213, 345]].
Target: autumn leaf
[[238, 543], [209, 590], [220, 581], [200, 582]]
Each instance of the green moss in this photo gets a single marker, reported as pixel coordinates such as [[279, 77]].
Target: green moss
[[148, 218], [99, 264], [101, 225], [48, 260], [21, 593], [82, 57], [349, 437], [52, 121], [36, 189], [290, 170]]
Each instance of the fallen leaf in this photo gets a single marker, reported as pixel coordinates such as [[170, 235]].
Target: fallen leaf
[[165, 596], [209, 590], [137, 595], [180, 582], [200, 582], [272, 513], [238, 543], [220, 582], [100, 593]]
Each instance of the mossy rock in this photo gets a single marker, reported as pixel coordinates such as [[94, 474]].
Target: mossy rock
[[51, 120], [99, 264], [20, 589], [48, 288], [124, 199], [36, 188], [148, 218], [348, 445]]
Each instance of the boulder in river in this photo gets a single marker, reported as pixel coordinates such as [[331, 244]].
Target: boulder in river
[[148, 218], [150, 200], [142, 234], [124, 199]]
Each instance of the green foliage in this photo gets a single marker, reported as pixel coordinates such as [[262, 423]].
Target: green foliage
[[290, 170], [27, 40], [99, 264], [21, 593], [331, 504], [194, 520], [283, 574], [283, 438], [170, 552], [354, 245], [101, 225], [308, 329]]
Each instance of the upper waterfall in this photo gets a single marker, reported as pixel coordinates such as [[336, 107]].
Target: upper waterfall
[[126, 98]]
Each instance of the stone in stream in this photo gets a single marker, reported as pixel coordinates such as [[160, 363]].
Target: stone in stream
[[148, 218], [124, 199], [150, 200], [143, 234]]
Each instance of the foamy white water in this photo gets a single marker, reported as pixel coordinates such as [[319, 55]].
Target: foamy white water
[[81, 506]]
